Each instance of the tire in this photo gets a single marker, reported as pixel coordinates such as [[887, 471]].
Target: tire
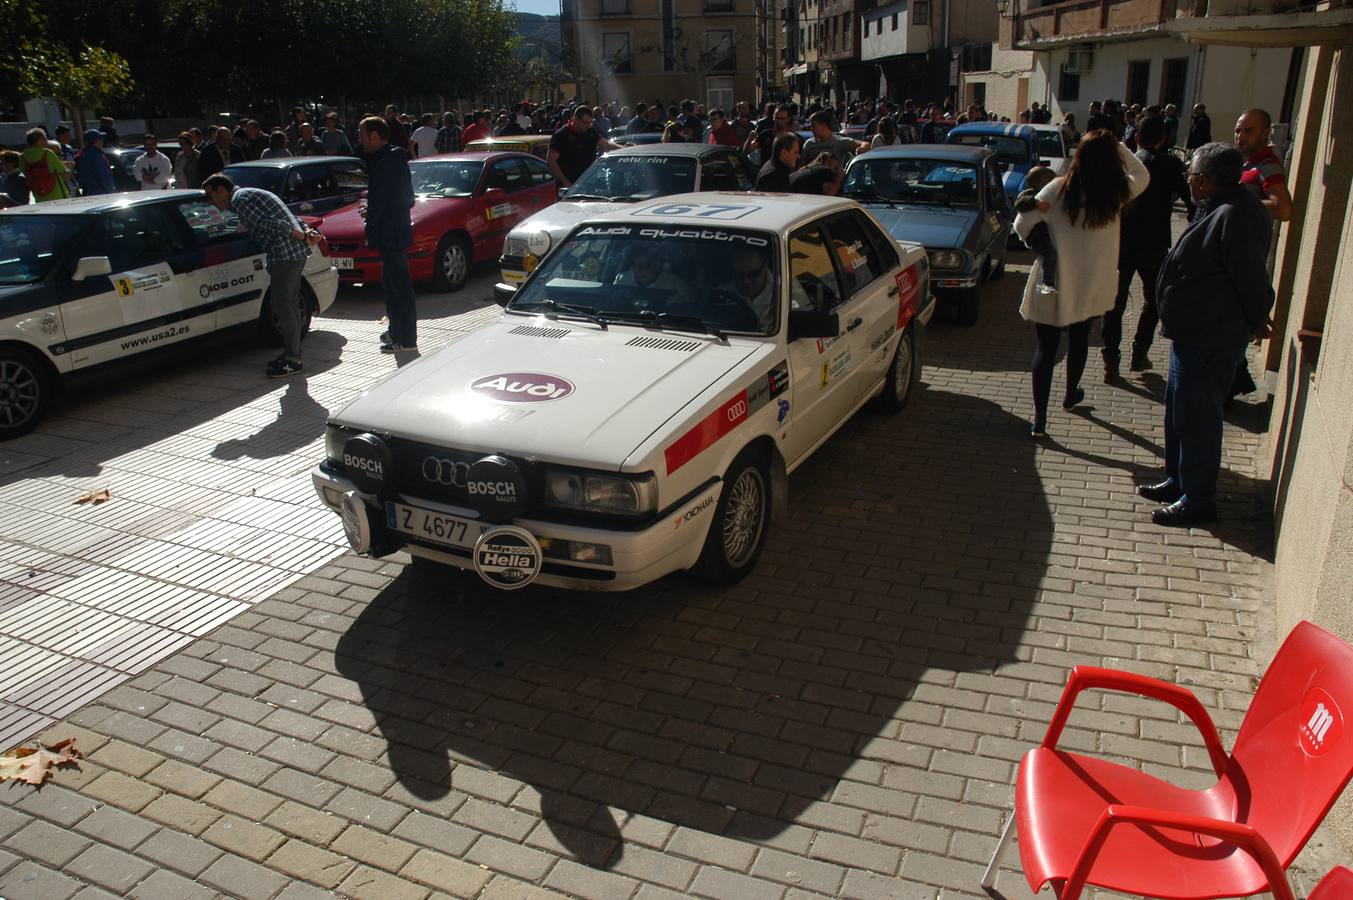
[[737, 533], [969, 303], [451, 266], [26, 390], [268, 330], [903, 374]]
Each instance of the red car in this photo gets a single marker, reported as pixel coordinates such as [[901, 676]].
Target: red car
[[464, 205]]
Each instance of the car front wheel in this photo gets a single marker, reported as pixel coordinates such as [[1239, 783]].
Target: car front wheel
[[453, 263], [902, 374], [25, 392], [741, 520]]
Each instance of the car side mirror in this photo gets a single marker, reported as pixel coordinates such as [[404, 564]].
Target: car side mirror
[[560, 192], [91, 266], [813, 323], [495, 195], [503, 294]]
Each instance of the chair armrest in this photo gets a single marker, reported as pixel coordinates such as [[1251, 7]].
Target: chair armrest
[[1237, 833], [1083, 677]]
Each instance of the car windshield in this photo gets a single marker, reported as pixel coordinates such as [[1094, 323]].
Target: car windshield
[[1050, 145], [937, 182], [1007, 149], [31, 245], [635, 177], [269, 178], [446, 178], [705, 279]]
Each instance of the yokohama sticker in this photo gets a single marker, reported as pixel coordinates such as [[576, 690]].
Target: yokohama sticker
[[726, 417], [908, 295]]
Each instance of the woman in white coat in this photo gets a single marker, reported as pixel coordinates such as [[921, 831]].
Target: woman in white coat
[[1080, 210]]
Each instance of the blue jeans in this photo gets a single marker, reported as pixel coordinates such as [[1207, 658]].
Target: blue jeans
[[399, 302], [1199, 382]]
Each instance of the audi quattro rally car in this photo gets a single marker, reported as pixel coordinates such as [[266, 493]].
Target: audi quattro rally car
[[636, 408], [94, 280]]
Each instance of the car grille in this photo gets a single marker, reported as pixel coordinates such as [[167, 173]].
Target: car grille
[[412, 462]]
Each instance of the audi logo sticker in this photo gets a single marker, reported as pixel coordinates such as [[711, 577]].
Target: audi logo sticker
[[737, 410], [521, 387], [441, 470]]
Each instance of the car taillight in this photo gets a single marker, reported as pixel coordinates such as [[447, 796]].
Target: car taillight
[[324, 246]]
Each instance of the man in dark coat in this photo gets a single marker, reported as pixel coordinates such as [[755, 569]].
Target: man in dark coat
[[1200, 128], [389, 230], [218, 153], [1214, 296], [774, 175]]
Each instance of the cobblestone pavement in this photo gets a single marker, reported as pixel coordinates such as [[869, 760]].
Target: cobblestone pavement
[[844, 723]]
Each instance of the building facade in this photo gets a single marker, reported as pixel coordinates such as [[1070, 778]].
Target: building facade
[[624, 51], [997, 76]]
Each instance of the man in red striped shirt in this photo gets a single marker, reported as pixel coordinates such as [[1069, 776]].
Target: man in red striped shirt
[[1264, 172]]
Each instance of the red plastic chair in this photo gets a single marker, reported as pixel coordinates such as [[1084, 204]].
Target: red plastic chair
[[1084, 821], [1337, 885]]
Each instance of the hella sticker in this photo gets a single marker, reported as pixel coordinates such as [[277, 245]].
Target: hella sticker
[[521, 387]]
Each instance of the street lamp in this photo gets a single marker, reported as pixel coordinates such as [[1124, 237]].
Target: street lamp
[[1002, 7]]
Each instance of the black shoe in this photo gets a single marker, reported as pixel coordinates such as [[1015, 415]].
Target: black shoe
[[282, 368], [385, 338], [1038, 430], [1140, 362], [392, 347], [1184, 512], [1074, 398], [1164, 492], [1112, 375]]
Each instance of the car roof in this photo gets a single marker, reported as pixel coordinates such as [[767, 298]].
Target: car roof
[[513, 139], [101, 202], [476, 156], [956, 152], [682, 148], [288, 161], [1014, 129], [769, 212]]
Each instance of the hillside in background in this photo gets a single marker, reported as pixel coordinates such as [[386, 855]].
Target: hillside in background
[[538, 33]]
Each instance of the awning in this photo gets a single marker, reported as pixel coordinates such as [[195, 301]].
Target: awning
[[800, 69], [1298, 29]]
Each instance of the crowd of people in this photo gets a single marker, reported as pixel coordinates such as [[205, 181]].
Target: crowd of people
[[1209, 291]]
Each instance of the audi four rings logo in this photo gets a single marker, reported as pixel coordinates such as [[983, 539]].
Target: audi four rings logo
[[737, 411], [445, 471]]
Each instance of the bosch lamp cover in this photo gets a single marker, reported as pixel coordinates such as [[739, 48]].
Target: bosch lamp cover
[[366, 460]]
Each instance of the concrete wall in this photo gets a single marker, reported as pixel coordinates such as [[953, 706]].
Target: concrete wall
[[1311, 431]]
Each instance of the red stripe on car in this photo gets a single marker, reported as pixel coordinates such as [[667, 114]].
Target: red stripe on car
[[707, 432], [908, 292]]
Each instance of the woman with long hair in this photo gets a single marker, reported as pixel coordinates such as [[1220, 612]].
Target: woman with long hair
[[1080, 211], [887, 136]]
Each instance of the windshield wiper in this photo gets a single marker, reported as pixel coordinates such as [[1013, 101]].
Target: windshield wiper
[[671, 321], [565, 309], [573, 197], [628, 198], [869, 197]]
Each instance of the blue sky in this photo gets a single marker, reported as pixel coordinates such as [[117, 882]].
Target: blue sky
[[542, 7]]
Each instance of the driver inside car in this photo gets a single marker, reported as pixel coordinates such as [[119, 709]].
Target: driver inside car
[[751, 282], [648, 270]]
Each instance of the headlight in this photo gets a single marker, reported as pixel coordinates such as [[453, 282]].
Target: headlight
[[538, 242], [514, 245], [529, 262], [946, 259], [601, 493], [334, 439]]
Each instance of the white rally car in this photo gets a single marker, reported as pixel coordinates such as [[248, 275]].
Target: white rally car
[[94, 280], [638, 405]]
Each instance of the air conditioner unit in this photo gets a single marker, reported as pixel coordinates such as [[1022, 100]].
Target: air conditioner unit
[[1080, 61]]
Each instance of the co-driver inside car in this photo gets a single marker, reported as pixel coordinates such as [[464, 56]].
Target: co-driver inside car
[[648, 269], [752, 282]]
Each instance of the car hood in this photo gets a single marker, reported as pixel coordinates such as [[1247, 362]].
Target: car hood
[[347, 223], [560, 391], [928, 225], [558, 219]]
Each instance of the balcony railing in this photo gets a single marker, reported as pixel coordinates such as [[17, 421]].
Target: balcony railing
[[615, 7], [1074, 18], [719, 6]]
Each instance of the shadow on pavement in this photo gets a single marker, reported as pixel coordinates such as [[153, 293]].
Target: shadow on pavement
[[914, 549]]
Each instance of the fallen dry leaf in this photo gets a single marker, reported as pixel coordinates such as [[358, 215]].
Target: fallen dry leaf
[[95, 497], [34, 764]]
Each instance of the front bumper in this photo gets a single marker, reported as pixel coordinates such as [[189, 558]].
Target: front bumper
[[952, 282], [367, 268], [670, 544]]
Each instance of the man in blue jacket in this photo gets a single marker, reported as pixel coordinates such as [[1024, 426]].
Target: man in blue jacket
[[92, 169], [389, 230], [1214, 296]]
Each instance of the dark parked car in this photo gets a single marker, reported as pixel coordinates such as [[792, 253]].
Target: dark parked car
[[121, 160], [310, 185], [948, 198]]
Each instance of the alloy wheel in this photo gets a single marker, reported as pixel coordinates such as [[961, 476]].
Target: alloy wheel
[[744, 517]]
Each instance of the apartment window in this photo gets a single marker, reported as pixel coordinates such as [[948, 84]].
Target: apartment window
[[845, 29], [979, 93], [1068, 85], [716, 6], [1138, 75], [1172, 81], [719, 50], [719, 93], [894, 21], [976, 58], [615, 49], [920, 13], [615, 7]]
